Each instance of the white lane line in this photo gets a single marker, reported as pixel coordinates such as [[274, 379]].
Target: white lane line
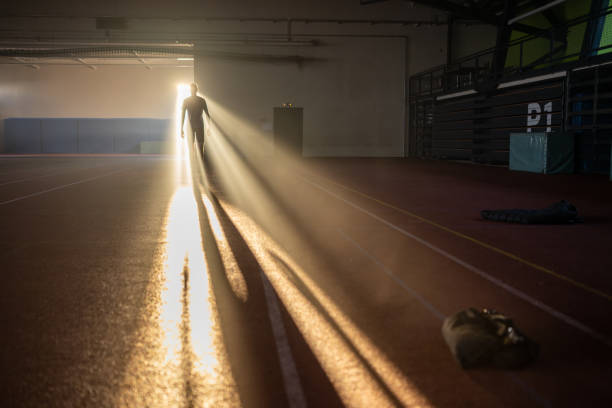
[[36, 177], [57, 172], [553, 312], [289, 373], [291, 378], [393, 276], [60, 187], [514, 377]]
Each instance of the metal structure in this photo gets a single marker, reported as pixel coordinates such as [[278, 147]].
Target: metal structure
[[179, 30], [588, 116], [495, 12], [479, 70], [466, 109], [143, 55], [36, 40]]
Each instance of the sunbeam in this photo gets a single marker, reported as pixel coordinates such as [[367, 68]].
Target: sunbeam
[[232, 270], [350, 359], [181, 349], [256, 188]]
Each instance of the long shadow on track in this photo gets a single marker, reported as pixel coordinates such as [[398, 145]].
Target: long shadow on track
[[247, 332]]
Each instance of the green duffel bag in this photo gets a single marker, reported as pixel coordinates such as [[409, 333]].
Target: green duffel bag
[[487, 338]]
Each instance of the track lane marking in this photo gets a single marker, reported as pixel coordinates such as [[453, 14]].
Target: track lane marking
[[28, 179], [289, 373], [60, 187], [393, 276], [516, 292], [476, 241], [291, 378], [56, 173], [514, 377]]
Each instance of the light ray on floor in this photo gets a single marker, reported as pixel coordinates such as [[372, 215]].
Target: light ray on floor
[[255, 184], [232, 270], [350, 359], [180, 359]]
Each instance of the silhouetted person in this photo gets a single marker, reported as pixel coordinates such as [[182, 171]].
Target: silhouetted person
[[195, 105]]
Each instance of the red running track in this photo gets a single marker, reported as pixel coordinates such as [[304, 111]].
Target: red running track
[[365, 258], [554, 280], [400, 244]]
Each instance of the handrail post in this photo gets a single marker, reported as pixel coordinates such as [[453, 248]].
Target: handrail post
[[552, 45], [445, 78]]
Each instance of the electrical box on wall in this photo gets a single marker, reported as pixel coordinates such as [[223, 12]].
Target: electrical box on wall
[[288, 128]]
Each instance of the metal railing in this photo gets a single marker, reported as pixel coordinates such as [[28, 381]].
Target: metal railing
[[525, 54]]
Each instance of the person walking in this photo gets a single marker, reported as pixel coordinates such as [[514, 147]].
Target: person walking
[[195, 105]]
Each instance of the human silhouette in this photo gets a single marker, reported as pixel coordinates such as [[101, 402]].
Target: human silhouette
[[195, 105]]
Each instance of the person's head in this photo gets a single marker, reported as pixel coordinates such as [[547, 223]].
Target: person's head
[[194, 89]]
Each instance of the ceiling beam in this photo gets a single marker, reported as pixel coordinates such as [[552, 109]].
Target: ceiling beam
[[73, 63], [466, 12], [535, 11], [473, 13], [460, 11]]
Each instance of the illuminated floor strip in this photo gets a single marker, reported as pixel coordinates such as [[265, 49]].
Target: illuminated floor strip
[[477, 242], [60, 187], [553, 312], [359, 371], [289, 372], [291, 378]]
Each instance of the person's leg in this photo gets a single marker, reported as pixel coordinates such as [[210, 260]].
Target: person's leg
[[191, 144], [199, 134]]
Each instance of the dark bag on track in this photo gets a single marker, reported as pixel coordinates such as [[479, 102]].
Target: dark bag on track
[[484, 338], [562, 212]]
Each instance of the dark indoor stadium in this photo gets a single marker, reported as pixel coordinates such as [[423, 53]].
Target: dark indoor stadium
[[306, 203]]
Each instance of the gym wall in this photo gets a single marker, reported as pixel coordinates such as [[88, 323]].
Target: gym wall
[[80, 92], [352, 92]]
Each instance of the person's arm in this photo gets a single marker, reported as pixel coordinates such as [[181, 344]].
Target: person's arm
[[183, 118], [207, 117], [206, 108]]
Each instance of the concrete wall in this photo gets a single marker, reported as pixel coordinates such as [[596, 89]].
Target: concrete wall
[[352, 91], [351, 86], [77, 91]]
